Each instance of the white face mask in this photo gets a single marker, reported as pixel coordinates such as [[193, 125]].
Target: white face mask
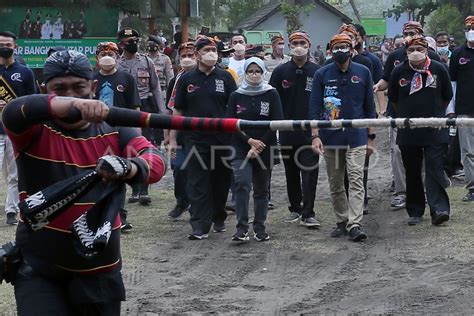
[[187, 63], [107, 63], [470, 36], [416, 57], [209, 59], [299, 51], [239, 49]]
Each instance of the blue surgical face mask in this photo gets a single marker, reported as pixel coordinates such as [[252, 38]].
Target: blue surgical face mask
[[225, 61], [442, 50]]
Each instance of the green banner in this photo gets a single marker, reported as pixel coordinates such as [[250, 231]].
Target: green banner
[[40, 28], [59, 23], [374, 26], [34, 51]]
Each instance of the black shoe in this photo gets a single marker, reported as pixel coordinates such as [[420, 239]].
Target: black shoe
[[412, 221], [469, 197], [310, 222], [11, 219], [125, 225], [439, 218], [134, 198], [263, 236], [198, 236], [241, 236], [356, 234], [340, 230], [219, 228], [144, 200], [177, 212], [230, 207]]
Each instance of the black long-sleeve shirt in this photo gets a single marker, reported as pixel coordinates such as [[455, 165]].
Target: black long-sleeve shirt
[[262, 107]]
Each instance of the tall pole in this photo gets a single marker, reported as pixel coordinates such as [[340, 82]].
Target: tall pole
[[183, 15]]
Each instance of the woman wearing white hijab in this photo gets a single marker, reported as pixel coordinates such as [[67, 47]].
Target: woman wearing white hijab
[[254, 100]]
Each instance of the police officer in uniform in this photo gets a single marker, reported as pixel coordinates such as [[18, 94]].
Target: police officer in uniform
[[142, 69]]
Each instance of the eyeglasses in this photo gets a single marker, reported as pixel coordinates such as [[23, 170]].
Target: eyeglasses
[[344, 49], [238, 42], [254, 72]]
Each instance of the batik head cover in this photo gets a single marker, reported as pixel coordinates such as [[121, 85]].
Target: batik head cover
[[67, 63]]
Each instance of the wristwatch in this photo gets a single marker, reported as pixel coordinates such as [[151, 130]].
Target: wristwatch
[[371, 136], [314, 136]]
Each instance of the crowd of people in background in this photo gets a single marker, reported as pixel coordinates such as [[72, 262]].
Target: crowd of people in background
[[215, 173]]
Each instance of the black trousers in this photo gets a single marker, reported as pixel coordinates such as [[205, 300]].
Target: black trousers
[[301, 171], [38, 295], [435, 178], [208, 180], [453, 157], [180, 192], [149, 133]]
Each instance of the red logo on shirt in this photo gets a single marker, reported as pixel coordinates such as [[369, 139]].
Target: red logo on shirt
[[396, 63], [192, 88], [463, 61], [286, 84], [403, 82], [355, 79]]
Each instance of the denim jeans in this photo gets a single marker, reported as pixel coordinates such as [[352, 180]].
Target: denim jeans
[[246, 173]]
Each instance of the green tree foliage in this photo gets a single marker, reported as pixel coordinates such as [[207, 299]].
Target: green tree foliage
[[447, 18], [292, 12], [239, 10], [418, 10]]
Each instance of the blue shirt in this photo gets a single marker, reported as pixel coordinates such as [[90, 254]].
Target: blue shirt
[[20, 78], [342, 95], [377, 67]]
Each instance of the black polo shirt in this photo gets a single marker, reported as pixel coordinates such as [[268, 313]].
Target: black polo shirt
[[461, 69], [201, 95], [393, 60], [294, 86], [428, 102], [399, 56]]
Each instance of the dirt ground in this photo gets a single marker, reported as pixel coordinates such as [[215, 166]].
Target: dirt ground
[[399, 269]]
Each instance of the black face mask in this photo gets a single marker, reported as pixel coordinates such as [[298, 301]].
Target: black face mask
[[131, 47], [341, 57], [6, 52]]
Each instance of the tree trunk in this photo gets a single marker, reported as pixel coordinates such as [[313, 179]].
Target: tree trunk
[[356, 11]]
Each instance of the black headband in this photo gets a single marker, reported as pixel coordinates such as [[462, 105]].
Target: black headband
[[67, 63]]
